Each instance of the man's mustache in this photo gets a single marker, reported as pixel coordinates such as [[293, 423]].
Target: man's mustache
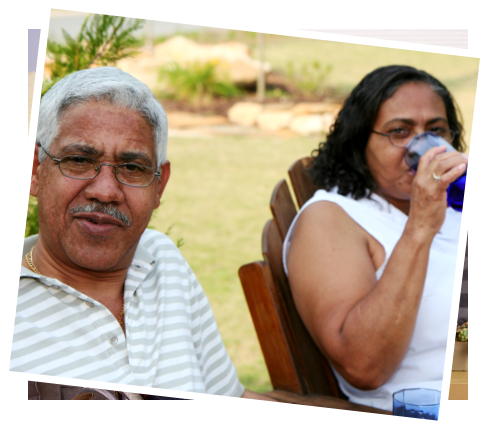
[[108, 209]]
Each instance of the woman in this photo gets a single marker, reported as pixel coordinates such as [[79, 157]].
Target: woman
[[371, 257]]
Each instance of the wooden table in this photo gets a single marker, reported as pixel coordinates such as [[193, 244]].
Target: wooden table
[[321, 401], [459, 385]]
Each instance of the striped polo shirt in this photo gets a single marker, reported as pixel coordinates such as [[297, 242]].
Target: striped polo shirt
[[172, 340]]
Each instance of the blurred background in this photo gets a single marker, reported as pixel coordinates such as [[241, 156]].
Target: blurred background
[[242, 107]]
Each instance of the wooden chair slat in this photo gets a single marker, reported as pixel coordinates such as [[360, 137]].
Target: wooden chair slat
[[283, 207], [302, 184], [265, 310]]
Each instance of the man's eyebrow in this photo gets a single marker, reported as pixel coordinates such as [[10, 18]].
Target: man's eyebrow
[[91, 151], [79, 147], [134, 156]]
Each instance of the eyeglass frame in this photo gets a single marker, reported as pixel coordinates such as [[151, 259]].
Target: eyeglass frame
[[454, 134], [58, 160]]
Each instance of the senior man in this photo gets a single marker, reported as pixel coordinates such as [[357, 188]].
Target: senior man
[[101, 297]]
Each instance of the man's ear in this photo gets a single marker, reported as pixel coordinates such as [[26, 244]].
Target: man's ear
[[163, 180], [35, 173]]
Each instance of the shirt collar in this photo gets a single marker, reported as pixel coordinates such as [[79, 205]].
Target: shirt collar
[[143, 260]]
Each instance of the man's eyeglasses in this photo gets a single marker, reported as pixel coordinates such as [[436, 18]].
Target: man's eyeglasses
[[401, 137], [86, 168]]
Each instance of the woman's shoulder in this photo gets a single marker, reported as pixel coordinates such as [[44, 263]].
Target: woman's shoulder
[[328, 205]]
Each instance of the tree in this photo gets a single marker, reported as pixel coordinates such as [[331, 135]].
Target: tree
[[102, 41]]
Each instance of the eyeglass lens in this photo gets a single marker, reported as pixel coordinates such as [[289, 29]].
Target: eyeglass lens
[[80, 167], [403, 137]]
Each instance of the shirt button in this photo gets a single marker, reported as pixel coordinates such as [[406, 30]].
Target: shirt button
[[113, 341], [90, 304]]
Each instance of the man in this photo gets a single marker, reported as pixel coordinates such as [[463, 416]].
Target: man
[[100, 296]]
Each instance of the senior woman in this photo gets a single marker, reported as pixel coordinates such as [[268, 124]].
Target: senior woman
[[371, 257]]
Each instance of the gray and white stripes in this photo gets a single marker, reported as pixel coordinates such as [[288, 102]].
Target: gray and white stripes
[[172, 337]]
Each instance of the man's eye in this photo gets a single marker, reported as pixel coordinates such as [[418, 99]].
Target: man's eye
[[133, 169], [78, 159]]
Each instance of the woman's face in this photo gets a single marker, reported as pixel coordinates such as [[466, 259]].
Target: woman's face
[[416, 107]]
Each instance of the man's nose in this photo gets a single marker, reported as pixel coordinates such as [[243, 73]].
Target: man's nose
[[105, 187]]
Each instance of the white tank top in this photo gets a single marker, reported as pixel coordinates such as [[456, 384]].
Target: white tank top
[[424, 361]]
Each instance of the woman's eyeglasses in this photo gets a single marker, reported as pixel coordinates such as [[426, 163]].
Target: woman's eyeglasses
[[400, 137]]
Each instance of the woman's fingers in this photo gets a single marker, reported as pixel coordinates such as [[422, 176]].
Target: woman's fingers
[[426, 159], [438, 163], [453, 174]]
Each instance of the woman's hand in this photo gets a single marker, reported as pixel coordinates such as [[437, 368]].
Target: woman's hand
[[429, 196]]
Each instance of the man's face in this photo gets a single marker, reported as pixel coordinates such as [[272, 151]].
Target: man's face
[[96, 241]]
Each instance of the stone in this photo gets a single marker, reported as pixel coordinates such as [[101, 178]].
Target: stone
[[307, 125], [315, 108], [244, 113], [274, 120], [183, 120], [328, 120], [275, 107], [232, 59]]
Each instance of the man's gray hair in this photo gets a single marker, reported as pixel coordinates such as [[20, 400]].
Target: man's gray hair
[[107, 84]]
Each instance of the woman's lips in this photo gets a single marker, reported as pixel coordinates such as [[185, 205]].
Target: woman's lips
[[411, 172]]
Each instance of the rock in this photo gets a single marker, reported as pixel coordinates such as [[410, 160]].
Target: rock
[[276, 107], [308, 125], [270, 120], [315, 108], [328, 120], [232, 59], [191, 120], [244, 113]]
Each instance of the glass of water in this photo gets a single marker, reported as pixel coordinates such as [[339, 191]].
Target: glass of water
[[417, 403]]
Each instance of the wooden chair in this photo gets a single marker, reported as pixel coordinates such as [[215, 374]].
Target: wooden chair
[[302, 184], [298, 370]]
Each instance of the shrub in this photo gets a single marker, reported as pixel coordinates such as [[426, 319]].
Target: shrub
[[310, 77], [462, 333], [196, 82], [31, 223], [102, 41]]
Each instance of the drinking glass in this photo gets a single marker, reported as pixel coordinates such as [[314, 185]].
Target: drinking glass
[[418, 146], [417, 403]]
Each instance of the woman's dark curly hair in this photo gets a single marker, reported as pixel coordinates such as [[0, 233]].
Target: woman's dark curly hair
[[340, 161]]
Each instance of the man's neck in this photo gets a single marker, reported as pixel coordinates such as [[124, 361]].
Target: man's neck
[[104, 287]]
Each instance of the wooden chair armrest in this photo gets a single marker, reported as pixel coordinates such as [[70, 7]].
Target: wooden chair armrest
[[321, 401]]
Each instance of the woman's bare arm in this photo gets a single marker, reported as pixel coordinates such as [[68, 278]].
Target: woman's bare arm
[[362, 325]]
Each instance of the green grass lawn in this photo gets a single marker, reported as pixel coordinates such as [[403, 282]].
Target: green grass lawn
[[217, 198]]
